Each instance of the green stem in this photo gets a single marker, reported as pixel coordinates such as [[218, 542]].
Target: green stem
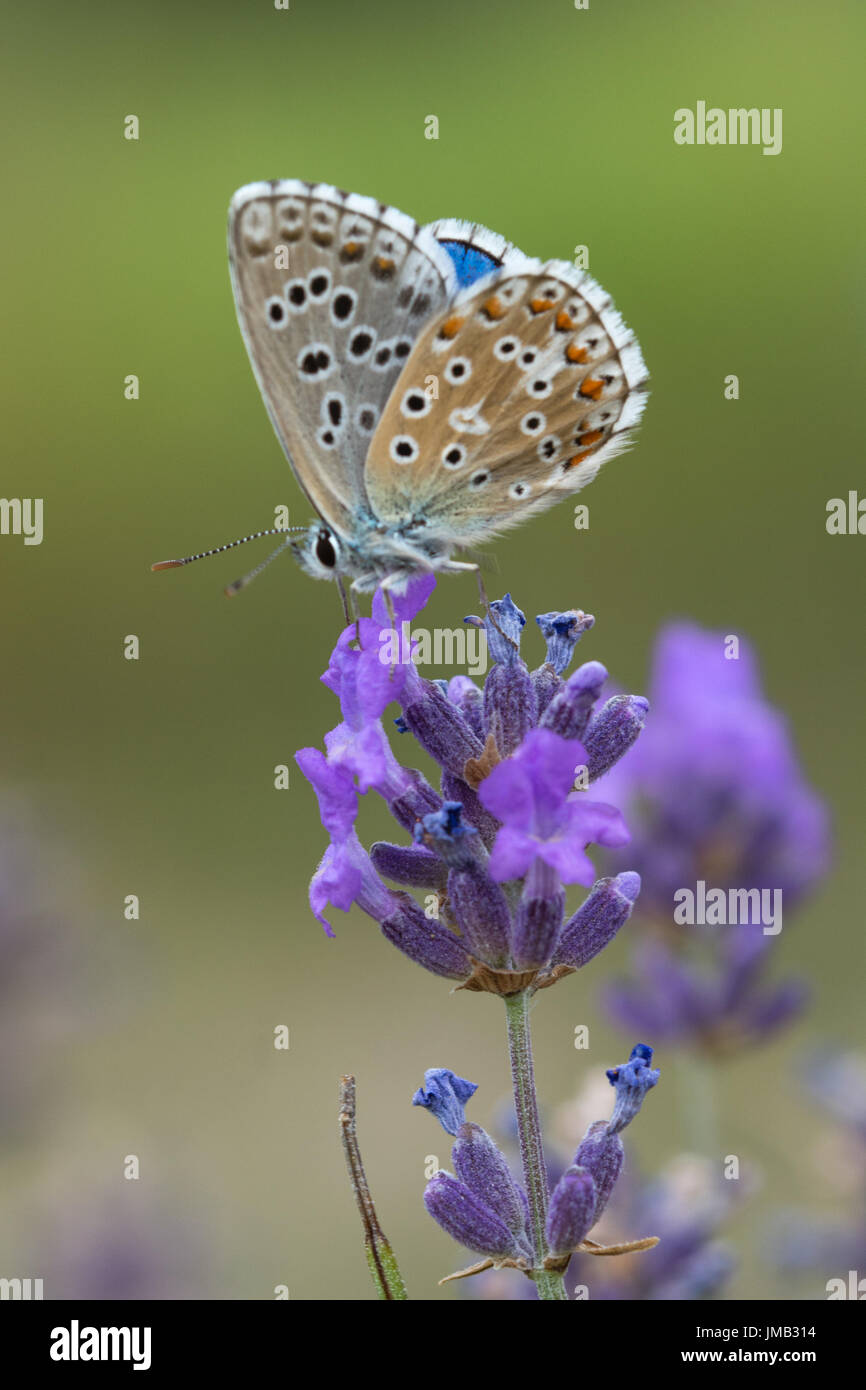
[[548, 1283], [381, 1260]]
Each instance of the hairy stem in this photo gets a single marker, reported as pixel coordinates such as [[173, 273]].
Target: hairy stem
[[548, 1283], [382, 1263]]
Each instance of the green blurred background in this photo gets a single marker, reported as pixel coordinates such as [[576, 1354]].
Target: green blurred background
[[155, 776]]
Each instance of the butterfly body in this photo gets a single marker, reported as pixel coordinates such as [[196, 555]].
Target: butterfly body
[[431, 386]]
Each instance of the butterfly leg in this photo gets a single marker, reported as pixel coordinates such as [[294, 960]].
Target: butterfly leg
[[385, 588], [341, 589]]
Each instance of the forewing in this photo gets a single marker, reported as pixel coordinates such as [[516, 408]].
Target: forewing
[[331, 290], [511, 398]]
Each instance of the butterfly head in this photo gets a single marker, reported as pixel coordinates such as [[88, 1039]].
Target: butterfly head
[[318, 551]]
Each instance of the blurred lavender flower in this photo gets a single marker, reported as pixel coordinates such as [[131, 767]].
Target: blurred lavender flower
[[40, 960], [508, 827], [714, 789], [806, 1243], [96, 1245], [720, 1005], [716, 800]]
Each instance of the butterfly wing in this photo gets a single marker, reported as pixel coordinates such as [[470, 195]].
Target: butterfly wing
[[536, 381], [331, 290]]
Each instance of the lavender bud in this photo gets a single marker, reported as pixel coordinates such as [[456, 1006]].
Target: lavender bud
[[483, 1169], [631, 1081], [572, 1210], [546, 683], [562, 632], [538, 920], [469, 1220], [612, 732], [598, 919], [409, 864], [602, 1155], [464, 693], [568, 712], [425, 940], [445, 1094], [437, 724], [416, 799], [510, 705], [481, 908]]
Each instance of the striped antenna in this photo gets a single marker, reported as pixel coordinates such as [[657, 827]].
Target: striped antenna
[[218, 550], [238, 584]]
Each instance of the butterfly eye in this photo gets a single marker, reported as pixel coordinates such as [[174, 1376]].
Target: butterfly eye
[[326, 550]]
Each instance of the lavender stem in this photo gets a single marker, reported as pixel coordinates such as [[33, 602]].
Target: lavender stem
[[549, 1284]]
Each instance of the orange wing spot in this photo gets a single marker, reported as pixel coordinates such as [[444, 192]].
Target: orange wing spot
[[493, 307], [575, 353], [351, 251], [591, 437], [577, 458], [538, 306], [451, 327], [591, 388], [384, 263], [564, 321]]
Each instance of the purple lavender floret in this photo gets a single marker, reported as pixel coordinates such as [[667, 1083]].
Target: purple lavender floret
[[445, 1095], [572, 1210], [631, 1082], [482, 1206], [510, 824]]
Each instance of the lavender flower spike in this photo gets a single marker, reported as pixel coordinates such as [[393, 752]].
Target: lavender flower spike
[[631, 1081], [445, 1095]]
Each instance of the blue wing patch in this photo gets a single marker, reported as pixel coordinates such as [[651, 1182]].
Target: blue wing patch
[[470, 262]]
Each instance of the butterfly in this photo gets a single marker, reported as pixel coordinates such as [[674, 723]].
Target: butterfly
[[431, 386]]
